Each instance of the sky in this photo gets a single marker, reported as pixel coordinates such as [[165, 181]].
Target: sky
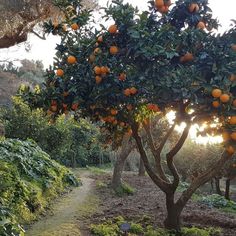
[[45, 49]]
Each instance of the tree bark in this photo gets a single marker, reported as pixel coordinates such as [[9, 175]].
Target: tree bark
[[172, 221], [227, 189], [141, 171], [217, 184]]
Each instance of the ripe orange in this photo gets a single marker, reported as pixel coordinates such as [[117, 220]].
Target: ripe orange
[[75, 26], [234, 103], [100, 39], [225, 136], [230, 150], [193, 7], [201, 25], [187, 57], [54, 108], [164, 9], [92, 107], [71, 60], [122, 124], [127, 92], [232, 78], [64, 27], [60, 72], [122, 77], [75, 106], [232, 120], [114, 50], [216, 93], [103, 69], [215, 104], [115, 122], [224, 98], [97, 51], [133, 90], [97, 70], [92, 58], [114, 112], [159, 3], [113, 29], [233, 136], [233, 46], [98, 79]]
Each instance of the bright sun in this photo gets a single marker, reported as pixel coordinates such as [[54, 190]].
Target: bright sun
[[209, 139]]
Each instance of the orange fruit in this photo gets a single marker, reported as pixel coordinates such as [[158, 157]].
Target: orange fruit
[[215, 104], [71, 60], [64, 27], [224, 98], [193, 7], [92, 107], [100, 39], [113, 29], [234, 103], [97, 51], [164, 9], [75, 26], [97, 70], [187, 57], [75, 106], [133, 90], [98, 79], [114, 112], [115, 122], [60, 72], [122, 124], [159, 3], [92, 58], [114, 50], [216, 93], [107, 69], [232, 78], [225, 136], [201, 25], [122, 77], [54, 108], [127, 92], [230, 150], [233, 136], [53, 102], [232, 120], [233, 46], [103, 70]]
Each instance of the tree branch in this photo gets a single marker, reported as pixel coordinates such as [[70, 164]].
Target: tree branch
[[38, 35]]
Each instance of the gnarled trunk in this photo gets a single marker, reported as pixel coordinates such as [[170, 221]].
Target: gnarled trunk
[[227, 189]]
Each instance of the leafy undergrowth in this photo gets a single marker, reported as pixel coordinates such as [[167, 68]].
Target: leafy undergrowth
[[118, 225], [216, 201], [29, 180], [124, 189]]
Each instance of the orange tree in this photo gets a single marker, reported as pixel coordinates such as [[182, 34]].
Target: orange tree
[[146, 63]]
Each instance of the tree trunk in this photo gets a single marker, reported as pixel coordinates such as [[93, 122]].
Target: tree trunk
[[227, 189], [141, 171], [172, 221], [217, 183]]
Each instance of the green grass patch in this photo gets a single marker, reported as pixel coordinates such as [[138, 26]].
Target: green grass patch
[[124, 189], [114, 228], [96, 170]]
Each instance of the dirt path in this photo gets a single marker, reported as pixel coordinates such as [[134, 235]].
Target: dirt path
[[66, 212]]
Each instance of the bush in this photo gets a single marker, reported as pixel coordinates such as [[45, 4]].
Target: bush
[[29, 180], [124, 189], [72, 143]]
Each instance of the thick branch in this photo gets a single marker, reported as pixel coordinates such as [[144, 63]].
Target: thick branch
[[163, 185], [170, 156], [202, 179]]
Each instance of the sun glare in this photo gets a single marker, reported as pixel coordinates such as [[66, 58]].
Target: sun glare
[[209, 139]]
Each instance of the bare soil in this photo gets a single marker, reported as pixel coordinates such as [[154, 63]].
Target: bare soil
[[148, 200]]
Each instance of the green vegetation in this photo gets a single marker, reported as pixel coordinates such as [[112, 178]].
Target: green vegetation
[[124, 189], [29, 180], [113, 228], [217, 201], [70, 142]]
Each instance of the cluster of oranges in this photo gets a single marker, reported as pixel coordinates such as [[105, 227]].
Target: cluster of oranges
[[100, 72], [153, 107], [221, 97], [162, 6], [193, 8], [130, 91]]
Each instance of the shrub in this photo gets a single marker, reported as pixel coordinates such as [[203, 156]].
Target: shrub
[[72, 143], [29, 180], [124, 189]]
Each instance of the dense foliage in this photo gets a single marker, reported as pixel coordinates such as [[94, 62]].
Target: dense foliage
[[72, 143], [29, 180]]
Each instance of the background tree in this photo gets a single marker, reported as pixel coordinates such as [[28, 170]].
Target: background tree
[[117, 76]]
